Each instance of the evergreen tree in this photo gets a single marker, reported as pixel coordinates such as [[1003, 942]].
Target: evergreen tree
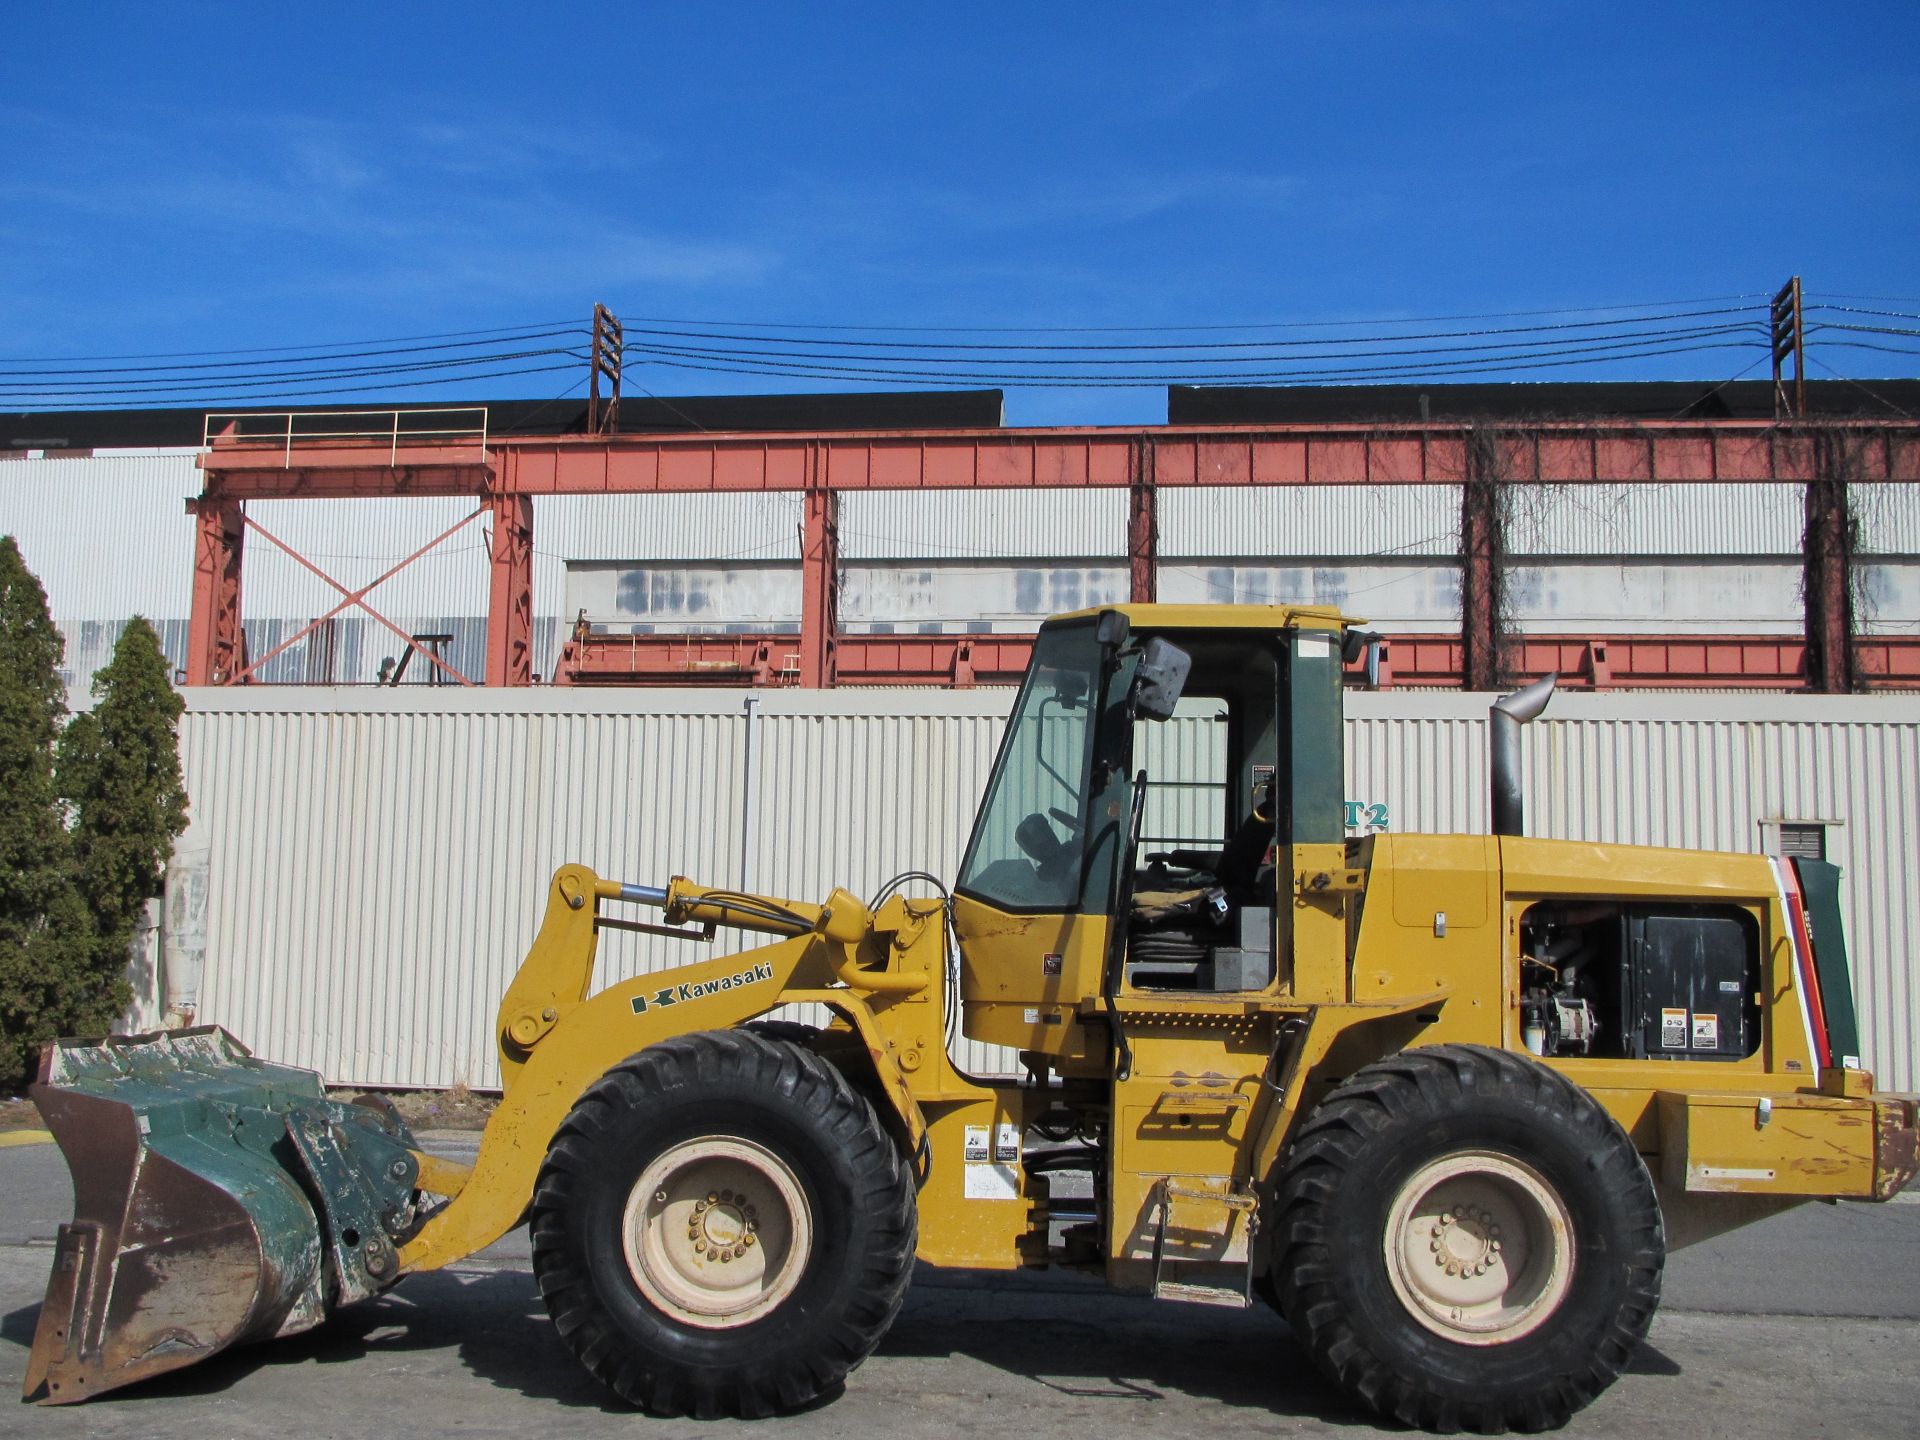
[[47, 979], [119, 769]]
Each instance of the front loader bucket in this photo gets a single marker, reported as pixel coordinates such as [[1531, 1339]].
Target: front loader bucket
[[216, 1199]]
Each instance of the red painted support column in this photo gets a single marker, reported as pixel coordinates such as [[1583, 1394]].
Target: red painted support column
[[1143, 529], [510, 598], [216, 644], [819, 579], [1829, 571], [1482, 557]]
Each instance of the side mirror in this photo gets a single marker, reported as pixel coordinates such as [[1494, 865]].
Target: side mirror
[[1161, 677], [1110, 630]]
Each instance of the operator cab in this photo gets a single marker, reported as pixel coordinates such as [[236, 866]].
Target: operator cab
[[1146, 777]]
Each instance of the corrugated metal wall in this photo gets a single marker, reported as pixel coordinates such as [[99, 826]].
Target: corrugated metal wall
[[1670, 519], [955, 524], [1347, 521], [375, 861]]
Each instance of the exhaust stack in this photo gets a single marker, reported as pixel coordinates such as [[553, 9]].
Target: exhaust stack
[[1506, 717]]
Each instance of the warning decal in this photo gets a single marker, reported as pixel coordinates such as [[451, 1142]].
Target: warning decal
[[992, 1164], [1006, 1145], [1706, 1032], [1673, 1029]]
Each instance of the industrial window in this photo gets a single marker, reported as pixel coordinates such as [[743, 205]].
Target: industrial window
[[1803, 840]]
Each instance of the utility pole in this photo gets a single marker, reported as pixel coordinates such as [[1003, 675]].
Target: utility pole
[[1788, 340], [608, 341]]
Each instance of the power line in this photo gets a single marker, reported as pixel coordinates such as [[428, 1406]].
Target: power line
[[1199, 329], [1552, 345], [756, 338], [221, 398], [287, 359], [82, 388], [1079, 382], [286, 349]]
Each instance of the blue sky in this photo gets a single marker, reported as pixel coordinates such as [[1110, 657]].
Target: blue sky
[[187, 178]]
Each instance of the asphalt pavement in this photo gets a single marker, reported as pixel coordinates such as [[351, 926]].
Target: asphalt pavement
[[1804, 1325]]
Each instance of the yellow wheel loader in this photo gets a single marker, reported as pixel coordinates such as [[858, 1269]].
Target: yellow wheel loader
[[1446, 1101]]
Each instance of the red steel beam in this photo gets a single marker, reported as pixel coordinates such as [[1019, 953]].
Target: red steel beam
[[819, 586], [1618, 662], [216, 643], [1142, 459], [1143, 529], [510, 591], [1665, 452]]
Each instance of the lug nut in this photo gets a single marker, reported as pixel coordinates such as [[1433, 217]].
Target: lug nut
[[1494, 1246], [659, 1197], [748, 1241]]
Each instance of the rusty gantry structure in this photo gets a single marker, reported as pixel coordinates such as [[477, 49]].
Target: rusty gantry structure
[[449, 453]]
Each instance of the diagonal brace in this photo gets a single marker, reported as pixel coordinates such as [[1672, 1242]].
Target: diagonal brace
[[355, 597]]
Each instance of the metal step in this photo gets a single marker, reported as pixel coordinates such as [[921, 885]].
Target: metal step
[[1230, 1296]]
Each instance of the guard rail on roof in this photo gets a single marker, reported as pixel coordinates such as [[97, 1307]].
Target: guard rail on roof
[[288, 429]]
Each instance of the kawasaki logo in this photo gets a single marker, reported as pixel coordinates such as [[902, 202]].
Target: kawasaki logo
[[700, 989]]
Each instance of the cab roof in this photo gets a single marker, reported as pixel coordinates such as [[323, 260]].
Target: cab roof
[[1264, 618]]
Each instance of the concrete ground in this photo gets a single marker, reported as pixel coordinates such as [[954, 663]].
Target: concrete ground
[[1805, 1325]]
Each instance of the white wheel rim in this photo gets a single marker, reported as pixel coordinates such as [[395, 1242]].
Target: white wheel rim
[[717, 1232], [1479, 1248]]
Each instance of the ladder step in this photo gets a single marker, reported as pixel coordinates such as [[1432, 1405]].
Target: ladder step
[[1194, 1294]]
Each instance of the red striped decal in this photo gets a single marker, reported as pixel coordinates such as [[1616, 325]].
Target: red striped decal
[[1803, 956]]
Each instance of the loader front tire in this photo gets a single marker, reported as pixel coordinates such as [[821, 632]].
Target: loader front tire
[[1466, 1239], [722, 1227]]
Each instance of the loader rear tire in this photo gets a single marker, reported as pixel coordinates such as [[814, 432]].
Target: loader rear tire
[[722, 1227], [1536, 1214]]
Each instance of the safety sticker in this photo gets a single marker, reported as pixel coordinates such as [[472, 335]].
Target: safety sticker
[[1673, 1029], [993, 1160], [1006, 1145], [1049, 964], [992, 1182], [1706, 1032]]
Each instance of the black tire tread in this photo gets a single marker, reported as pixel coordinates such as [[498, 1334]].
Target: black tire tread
[[1437, 1081], [765, 1385]]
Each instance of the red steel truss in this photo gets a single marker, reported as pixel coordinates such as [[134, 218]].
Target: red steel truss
[[505, 475]]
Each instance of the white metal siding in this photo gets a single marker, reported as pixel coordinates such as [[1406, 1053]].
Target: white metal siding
[[958, 524], [1409, 594], [668, 527], [1350, 521], [377, 859], [1889, 517], [1667, 519]]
